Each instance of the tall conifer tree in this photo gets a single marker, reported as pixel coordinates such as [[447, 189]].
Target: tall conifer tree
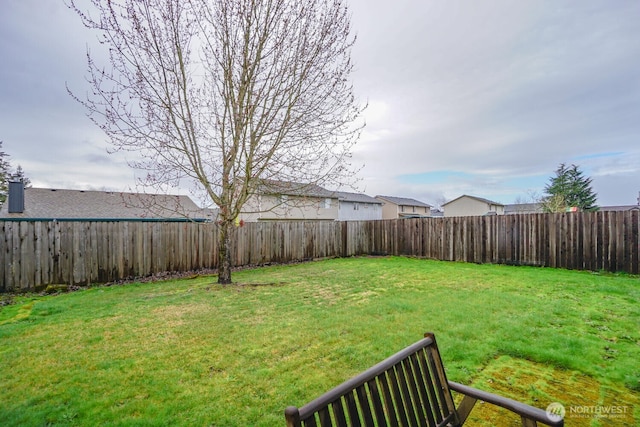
[[569, 188]]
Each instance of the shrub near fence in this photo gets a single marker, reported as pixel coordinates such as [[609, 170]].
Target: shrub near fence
[[34, 254]]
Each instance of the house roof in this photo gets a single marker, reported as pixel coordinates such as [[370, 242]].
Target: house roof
[[480, 199], [50, 203], [356, 197], [294, 189], [523, 208], [403, 201], [618, 208], [537, 208]]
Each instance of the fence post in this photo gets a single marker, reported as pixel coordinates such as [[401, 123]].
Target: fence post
[[345, 239]]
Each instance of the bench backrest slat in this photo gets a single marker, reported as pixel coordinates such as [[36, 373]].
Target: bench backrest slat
[[440, 380], [401, 375], [407, 389], [310, 422], [424, 408], [352, 408], [397, 397], [383, 382], [376, 402], [433, 411], [365, 409], [338, 412], [325, 417]]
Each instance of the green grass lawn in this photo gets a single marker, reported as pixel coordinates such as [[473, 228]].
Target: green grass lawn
[[192, 353]]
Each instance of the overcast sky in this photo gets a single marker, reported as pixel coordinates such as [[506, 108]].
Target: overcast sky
[[484, 98]]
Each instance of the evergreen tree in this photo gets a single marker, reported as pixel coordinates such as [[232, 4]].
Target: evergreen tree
[[567, 189], [5, 174], [19, 175]]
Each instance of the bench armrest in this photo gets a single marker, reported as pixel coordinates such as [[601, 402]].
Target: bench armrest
[[527, 412]]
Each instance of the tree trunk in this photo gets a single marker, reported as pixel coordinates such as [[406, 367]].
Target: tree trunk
[[224, 253]]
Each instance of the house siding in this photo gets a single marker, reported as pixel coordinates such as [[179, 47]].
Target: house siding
[[410, 209], [467, 206], [272, 208], [393, 211], [389, 210], [357, 211]]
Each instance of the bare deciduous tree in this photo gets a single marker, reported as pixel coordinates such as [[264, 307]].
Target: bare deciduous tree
[[225, 94]]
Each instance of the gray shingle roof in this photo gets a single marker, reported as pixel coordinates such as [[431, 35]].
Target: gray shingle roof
[[49, 203], [356, 197], [294, 189], [403, 201], [618, 208], [523, 208]]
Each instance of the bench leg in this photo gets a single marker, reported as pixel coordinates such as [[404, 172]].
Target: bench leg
[[528, 422], [467, 404], [465, 407]]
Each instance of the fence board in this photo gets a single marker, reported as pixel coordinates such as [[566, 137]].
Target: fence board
[[633, 243], [35, 254], [620, 241]]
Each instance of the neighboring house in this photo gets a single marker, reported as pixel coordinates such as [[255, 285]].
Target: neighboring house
[[358, 207], [618, 208], [403, 207], [472, 206], [436, 213], [523, 208], [56, 204], [290, 201], [520, 208]]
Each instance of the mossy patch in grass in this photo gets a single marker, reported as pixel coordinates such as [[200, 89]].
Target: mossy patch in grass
[[16, 312], [587, 401]]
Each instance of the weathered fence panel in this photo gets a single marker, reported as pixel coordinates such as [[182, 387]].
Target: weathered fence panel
[[34, 254]]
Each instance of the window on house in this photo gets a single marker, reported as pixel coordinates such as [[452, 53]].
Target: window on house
[[327, 203]]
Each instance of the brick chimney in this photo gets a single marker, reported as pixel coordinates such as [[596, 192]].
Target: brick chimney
[[16, 196]]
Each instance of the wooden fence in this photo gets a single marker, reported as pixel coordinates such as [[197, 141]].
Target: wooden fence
[[34, 254]]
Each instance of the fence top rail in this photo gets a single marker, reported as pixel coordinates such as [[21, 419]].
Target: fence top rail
[[104, 220]]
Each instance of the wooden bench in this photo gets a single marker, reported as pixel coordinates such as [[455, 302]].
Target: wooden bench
[[409, 388]]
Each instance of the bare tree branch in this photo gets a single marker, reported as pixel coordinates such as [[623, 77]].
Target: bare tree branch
[[226, 93]]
